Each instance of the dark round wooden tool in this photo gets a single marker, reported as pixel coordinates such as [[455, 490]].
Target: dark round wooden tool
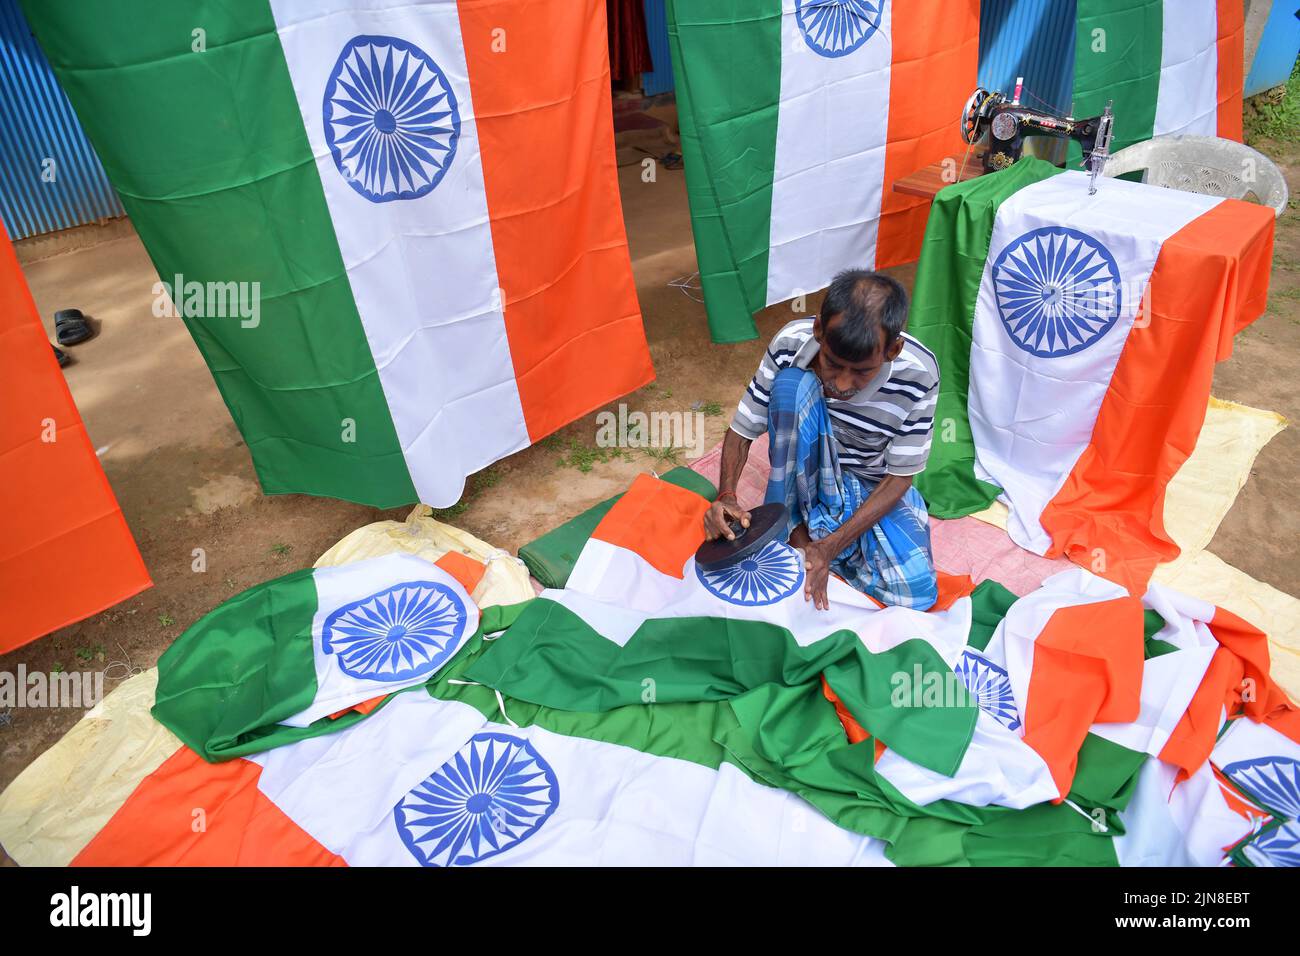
[[766, 524]]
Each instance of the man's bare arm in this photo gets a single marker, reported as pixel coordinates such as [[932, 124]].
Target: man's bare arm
[[888, 493], [735, 452]]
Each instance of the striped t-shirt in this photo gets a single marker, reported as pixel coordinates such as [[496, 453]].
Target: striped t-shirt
[[883, 429]]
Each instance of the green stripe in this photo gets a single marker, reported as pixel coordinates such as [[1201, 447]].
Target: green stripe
[[552, 656], [209, 154], [789, 737], [1117, 47], [727, 71], [225, 684], [942, 317]]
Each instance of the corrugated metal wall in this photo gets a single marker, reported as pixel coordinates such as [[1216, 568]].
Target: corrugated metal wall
[[1033, 39], [656, 28], [50, 178], [1029, 38]]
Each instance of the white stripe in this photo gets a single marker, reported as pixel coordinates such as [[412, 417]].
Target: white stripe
[[1177, 824], [998, 769], [832, 123], [349, 583], [1188, 98], [423, 270], [615, 591], [1032, 417], [615, 805]]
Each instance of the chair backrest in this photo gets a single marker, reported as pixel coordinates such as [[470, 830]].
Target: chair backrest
[[1204, 164]]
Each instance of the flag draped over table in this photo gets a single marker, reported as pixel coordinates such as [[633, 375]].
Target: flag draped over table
[[66, 552], [426, 194], [1078, 336], [1170, 66], [796, 118]]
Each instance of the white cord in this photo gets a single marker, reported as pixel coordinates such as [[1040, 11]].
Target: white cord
[[501, 701]]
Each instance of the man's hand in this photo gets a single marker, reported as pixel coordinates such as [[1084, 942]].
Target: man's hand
[[817, 571], [724, 509]]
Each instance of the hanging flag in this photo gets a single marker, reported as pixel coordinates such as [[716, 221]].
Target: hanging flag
[[436, 782], [796, 118], [1078, 336], [1170, 67], [393, 228], [638, 621], [284, 660], [67, 552]]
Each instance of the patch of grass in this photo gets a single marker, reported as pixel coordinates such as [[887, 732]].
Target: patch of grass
[[56, 667], [664, 456], [1275, 115], [487, 478], [88, 654], [281, 549], [710, 409], [585, 457], [166, 620]]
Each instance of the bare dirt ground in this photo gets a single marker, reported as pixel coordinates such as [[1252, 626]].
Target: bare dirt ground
[[185, 481]]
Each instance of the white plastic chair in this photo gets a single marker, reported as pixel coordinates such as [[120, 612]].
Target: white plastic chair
[[1204, 164]]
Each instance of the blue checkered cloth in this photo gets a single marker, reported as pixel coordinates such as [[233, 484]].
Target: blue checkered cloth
[[891, 561]]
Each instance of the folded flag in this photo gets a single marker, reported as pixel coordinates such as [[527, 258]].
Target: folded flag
[[1061, 320], [350, 227], [1169, 66], [1240, 807], [435, 782], [796, 118], [639, 622], [274, 663]]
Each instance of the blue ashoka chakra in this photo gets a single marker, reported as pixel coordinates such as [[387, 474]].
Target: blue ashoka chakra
[[991, 687], [496, 791], [391, 119], [1279, 846], [765, 578], [1273, 781], [1057, 289], [837, 27], [400, 633]]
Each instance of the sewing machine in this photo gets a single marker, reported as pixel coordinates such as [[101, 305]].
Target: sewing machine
[[1007, 123]]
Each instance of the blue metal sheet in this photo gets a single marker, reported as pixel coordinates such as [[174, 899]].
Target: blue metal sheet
[[50, 177], [1033, 39], [1278, 45], [660, 80]]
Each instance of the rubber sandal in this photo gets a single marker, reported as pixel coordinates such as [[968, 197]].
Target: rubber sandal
[[64, 358], [71, 327]]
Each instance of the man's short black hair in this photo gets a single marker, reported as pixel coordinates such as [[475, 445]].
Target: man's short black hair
[[867, 303]]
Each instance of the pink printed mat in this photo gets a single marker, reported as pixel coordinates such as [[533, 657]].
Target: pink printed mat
[[961, 546]]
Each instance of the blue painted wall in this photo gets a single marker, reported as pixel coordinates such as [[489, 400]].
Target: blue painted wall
[[1278, 46], [1033, 39], [656, 27], [37, 127]]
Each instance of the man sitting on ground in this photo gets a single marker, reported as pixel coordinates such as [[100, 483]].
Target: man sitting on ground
[[847, 398]]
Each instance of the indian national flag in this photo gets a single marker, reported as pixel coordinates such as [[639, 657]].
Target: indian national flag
[[796, 118], [286, 659], [1078, 336], [1240, 807], [440, 782], [1170, 66], [638, 623], [419, 196]]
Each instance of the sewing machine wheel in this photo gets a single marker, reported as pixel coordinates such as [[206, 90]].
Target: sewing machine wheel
[[976, 109]]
